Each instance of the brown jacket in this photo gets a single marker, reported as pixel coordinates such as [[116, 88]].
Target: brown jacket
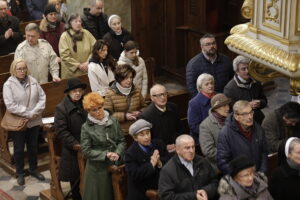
[[120, 104]]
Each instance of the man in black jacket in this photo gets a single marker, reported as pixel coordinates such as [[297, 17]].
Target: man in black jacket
[[187, 175], [10, 36], [94, 20]]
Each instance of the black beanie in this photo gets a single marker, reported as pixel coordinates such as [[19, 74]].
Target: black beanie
[[49, 9], [240, 163]]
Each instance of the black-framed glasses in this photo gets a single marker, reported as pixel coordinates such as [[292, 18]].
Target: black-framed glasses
[[165, 94]]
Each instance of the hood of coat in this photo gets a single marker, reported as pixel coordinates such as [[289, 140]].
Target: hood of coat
[[125, 59], [86, 12]]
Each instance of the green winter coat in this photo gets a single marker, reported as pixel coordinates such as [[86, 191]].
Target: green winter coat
[[96, 141]]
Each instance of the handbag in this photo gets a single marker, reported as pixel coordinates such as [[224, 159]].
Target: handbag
[[13, 122]]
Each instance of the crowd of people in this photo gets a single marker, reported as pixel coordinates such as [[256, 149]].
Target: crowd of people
[[223, 155]]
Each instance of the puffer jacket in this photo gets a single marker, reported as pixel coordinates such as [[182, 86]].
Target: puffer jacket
[[120, 104], [231, 190], [141, 79]]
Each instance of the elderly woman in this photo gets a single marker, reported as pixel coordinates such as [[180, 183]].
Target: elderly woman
[[117, 36], [143, 159], [101, 67], [285, 179], [103, 144], [200, 104], [75, 48], [123, 99], [69, 117], [209, 129], [243, 87], [51, 27], [243, 182], [23, 96], [130, 56]]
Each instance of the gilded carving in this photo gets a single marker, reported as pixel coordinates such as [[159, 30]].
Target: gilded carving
[[262, 73], [247, 9], [272, 14], [272, 11]]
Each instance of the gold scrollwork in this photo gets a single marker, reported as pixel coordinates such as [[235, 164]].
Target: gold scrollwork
[[272, 17], [262, 73], [294, 86], [247, 9]]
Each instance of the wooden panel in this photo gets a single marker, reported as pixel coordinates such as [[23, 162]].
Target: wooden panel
[[5, 62]]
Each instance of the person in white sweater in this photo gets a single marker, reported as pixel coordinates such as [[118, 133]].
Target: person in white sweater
[[100, 68], [130, 56]]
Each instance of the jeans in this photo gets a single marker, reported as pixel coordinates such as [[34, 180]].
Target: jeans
[[30, 138]]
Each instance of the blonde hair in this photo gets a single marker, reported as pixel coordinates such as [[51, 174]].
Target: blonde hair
[[91, 100], [13, 66]]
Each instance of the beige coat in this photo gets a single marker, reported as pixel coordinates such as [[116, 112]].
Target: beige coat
[[39, 58], [70, 60]]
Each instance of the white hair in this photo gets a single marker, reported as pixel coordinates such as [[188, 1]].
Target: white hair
[[154, 87], [238, 60], [203, 77], [183, 138]]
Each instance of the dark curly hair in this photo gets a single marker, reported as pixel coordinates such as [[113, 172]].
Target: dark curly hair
[[109, 60], [122, 72]]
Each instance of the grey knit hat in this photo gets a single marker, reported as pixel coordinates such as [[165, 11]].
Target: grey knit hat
[[139, 126]]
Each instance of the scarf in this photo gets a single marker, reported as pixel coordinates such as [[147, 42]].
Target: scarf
[[208, 95], [221, 119], [125, 91], [102, 121], [77, 36], [246, 133], [52, 25]]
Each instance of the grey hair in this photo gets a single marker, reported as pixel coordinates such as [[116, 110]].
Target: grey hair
[[156, 86], [207, 35], [203, 77], [32, 27], [183, 138], [238, 60], [293, 144], [94, 2], [239, 105]]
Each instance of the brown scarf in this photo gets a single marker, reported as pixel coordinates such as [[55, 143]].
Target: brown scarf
[[77, 36], [221, 119]]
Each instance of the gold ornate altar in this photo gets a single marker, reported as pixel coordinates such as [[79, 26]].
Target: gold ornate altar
[[271, 39]]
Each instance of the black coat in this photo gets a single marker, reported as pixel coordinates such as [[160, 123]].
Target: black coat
[[96, 25], [236, 90], [285, 183], [166, 126], [140, 170], [68, 121], [177, 183], [9, 45], [117, 42]]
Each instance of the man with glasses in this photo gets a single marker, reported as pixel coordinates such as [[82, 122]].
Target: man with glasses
[[241, 136], [211, 62], [10, 35], [163, 116]]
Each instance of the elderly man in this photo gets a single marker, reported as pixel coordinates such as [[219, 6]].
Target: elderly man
[[211, 62], [243, 87], [187, 175], [281, 124], [94, 20], [10, 35], [38, 54], [163, 116], [241, 136]]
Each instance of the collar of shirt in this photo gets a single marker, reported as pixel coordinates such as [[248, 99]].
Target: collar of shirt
[[187, 164], [161, 109]]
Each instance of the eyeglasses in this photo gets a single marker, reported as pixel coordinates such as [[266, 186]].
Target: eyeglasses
[[209, 44], [246, 114], [160, 95], [22, 69]]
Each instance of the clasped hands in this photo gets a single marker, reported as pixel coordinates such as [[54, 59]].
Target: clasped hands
[[112, 156]]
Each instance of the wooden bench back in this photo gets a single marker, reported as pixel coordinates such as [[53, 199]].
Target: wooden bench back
[[5, 62], [22, 25]]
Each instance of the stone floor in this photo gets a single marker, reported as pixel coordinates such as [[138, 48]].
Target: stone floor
[[30, 191]]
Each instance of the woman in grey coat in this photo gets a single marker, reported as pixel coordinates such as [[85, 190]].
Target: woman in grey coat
[[211, 126]]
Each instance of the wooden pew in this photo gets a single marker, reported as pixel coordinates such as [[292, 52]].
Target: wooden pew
[[5, 62]]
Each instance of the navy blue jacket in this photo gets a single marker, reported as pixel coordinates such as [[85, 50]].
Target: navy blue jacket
[[141, 174], [221, 70], [36, 8], [197, 112], [231, 144]]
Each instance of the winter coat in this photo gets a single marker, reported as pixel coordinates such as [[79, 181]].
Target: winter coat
[[9, 45], [231, 190], [40, 59], [120, 104], [96, 25], [197, 112], [232, 143], [236, 90], [70, 60], [208, 137], [68, 120], [36, 8], [96, 142], [166, 126], [15, 97], [276, 130], [221, 70], [141, 79], [53, 36], [285, 183], [177, 183], [140, 170], [117, 42], [99, 79]]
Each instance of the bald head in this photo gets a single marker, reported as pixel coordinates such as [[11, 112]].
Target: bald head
[[183, 139], [96, 7], [157, 87], [185, 147], [158, 95]]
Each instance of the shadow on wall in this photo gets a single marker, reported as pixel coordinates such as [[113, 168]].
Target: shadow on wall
[[120, 7]]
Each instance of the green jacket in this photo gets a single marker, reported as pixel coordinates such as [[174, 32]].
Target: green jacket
[[96, 141]]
